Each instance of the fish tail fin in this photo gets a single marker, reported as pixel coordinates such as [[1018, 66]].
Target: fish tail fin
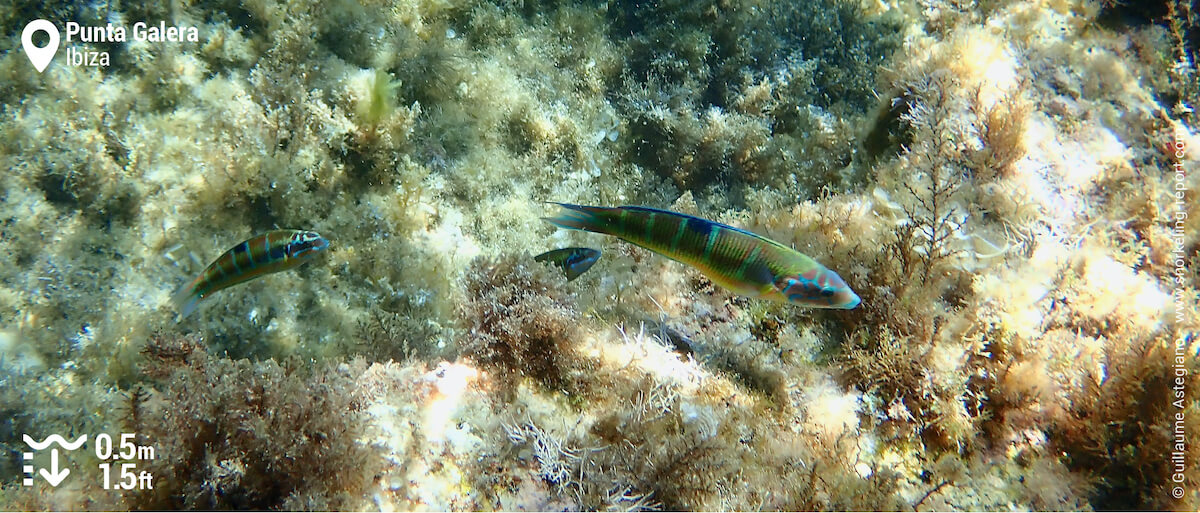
[[185, 299], [582, 217]]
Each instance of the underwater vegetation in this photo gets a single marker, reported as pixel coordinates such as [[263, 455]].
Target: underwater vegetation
[[1008, 188]]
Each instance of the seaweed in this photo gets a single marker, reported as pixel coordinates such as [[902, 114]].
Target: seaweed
[[249, 435], [521, 320]]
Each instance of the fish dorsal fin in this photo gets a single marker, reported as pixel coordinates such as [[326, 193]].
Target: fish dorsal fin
[[701, 221]]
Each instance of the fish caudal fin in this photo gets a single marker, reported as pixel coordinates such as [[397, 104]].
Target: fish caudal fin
[[581, 217]]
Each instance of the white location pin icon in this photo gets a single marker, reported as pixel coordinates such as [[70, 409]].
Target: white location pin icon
[[40, 57]]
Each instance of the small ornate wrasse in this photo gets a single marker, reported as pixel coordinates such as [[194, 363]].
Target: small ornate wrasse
[[741, 261], [271, 252], [573, 261]]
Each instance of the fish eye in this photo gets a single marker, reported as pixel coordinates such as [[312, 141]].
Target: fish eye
[[827, 292]]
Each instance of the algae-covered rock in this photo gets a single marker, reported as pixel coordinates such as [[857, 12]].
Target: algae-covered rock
[[1008, 186]]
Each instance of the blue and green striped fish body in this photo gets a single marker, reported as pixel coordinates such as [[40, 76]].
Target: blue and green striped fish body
[[741, 261], [572, 261], [271, 252]]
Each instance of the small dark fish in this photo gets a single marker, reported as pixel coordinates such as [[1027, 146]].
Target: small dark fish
[[573, 261], [260, 255], [683, 345]]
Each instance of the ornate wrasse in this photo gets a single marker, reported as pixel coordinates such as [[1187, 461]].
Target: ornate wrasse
[[271, 252], [572, 261], [744, 262]]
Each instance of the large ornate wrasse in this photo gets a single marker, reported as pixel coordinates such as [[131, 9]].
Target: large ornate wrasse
[[741, 261], [572, 261], [271, 252]]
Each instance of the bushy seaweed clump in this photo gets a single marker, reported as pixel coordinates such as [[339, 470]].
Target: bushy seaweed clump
[[522, 321], [249, 435], [671, 435]]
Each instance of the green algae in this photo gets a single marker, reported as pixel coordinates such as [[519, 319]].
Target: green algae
[[996, 181]]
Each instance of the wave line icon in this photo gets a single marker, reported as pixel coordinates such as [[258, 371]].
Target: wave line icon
[[55, 438]]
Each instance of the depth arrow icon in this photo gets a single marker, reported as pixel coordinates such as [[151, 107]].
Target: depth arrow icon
[[55, 475]]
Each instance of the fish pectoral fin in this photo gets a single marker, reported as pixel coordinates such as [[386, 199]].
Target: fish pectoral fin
[[760, 274], [185, 299]]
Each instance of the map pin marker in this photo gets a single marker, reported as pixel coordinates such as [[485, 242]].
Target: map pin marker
[[40, 57]]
